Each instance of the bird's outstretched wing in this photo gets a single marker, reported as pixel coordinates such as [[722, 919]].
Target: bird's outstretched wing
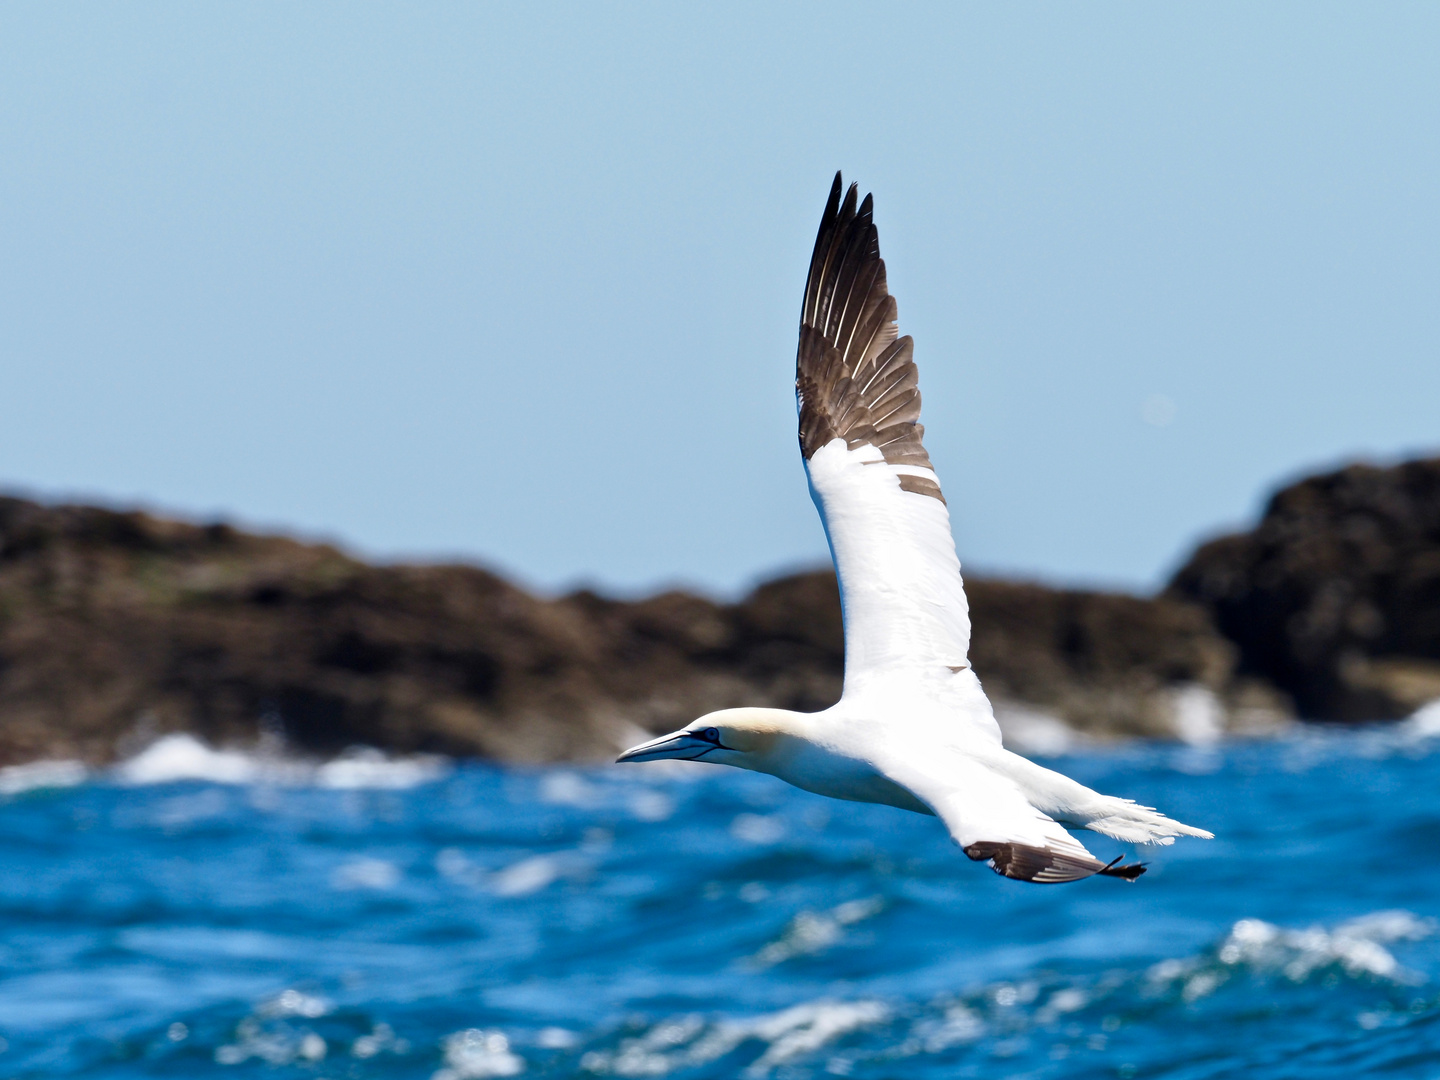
[[878, 496], [990, 819]]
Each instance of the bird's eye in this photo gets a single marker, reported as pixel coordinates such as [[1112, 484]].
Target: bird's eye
[[711, 734]]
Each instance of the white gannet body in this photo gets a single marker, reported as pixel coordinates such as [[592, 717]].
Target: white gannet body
[[913, 728]]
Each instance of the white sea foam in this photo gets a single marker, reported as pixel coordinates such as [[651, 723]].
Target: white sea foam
[[270, 1036], [1196, 718], [1029, 731], [1424, 723], [651, 805], [958, 1023], [277, 1033], [366, 767], [381, 1038], [1356, 947], [758, 828], [296, 1003], [475, 1054], [556, 1038], [365, 873], [184, 757], [1196, 715], [813, 932], [526, 876], [452, 863], [806, 1028], [568, 787], [1072, 1014], [688, 1041], [36, 775], [565, 788], [181, 756]]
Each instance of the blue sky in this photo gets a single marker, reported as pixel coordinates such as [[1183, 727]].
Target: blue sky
[[519, 284]]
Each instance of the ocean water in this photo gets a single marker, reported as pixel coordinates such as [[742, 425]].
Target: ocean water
[[199, 914]]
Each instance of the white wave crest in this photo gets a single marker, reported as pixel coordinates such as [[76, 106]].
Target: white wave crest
[[1072, 1015], [178, 757], [687, 1041], [1027, 730], [184, 757], [277, 1032], [475, 1054], [296, 1003], [366, 767], [1356, 947], [37, 775], [365, 873], [811, 933], [526, 876], [1424, 723]]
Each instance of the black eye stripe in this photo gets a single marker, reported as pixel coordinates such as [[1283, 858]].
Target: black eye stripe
[[710, 735]]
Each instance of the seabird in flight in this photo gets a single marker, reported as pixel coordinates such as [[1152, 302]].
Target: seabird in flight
[[912, 728]]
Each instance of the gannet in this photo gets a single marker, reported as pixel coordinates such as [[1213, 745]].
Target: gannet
[[913, 728]]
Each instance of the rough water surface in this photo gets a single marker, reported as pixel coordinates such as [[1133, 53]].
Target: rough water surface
[[198, 914]]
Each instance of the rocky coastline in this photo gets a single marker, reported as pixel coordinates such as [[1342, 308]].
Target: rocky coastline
[[119, 627], [1334, 597]]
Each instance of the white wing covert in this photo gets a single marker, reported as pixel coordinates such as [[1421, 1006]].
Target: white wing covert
[[879, 498]]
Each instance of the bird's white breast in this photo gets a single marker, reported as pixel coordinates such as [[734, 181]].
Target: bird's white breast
[[829, 770]]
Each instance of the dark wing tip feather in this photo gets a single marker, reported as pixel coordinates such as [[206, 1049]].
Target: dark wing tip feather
[[1127, 871], [1047, 866], [854, 379]]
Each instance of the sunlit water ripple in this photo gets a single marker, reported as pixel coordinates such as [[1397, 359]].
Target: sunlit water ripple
[[419, 919]]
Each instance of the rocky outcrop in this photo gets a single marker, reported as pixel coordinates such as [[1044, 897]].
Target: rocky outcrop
[[1105, 664], [119, 627], [1335, 596], [1111, 665]]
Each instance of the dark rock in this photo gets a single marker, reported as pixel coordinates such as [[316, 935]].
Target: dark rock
[[114, 625], [1335, 596], [1106, 663], [119, 627]]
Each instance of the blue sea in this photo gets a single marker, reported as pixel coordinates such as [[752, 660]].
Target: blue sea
[[202, 914]]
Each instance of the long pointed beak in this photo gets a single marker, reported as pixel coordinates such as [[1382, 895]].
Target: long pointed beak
[[680, 745]]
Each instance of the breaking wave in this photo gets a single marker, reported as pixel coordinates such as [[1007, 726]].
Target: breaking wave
[[39, 775], [1070, 1018], [1344, 979], [198, 912], [182, 757]]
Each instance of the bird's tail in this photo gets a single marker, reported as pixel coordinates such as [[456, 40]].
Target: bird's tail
[[1078, 807], [1133, 823]]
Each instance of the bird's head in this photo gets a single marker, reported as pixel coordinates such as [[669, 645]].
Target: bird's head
[[747, 738]]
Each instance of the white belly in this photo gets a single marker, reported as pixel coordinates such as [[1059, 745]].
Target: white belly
[[835, 776]]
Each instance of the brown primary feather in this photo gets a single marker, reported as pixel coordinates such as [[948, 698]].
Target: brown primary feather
[[1046, 866], [854, 378]]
